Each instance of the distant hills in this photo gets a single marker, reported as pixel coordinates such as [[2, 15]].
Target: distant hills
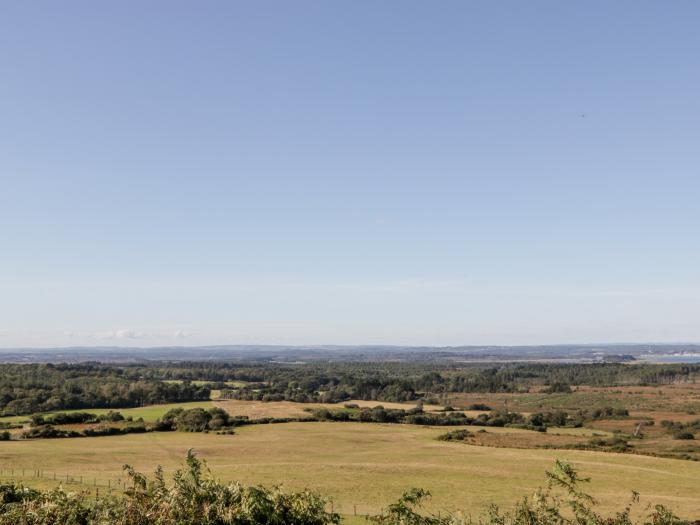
[[297, 354]]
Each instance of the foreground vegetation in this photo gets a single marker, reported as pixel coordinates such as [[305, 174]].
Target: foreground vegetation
[[194, 497]]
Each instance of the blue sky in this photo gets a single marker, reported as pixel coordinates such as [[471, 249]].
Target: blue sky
[[349, 172]]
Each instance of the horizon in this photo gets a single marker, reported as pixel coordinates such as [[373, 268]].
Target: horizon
[[413, 175], [323, 346]]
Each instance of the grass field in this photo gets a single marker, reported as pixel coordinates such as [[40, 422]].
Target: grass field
[[252, 409], [149, 413], [368, 465], [259, 409]]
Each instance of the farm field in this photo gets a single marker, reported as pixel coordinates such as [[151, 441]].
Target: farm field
[[260, 409], [252, 409], [366, 466], [675, 398], [148, 413]]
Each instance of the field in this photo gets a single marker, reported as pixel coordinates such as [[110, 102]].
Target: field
[[258, 409], [148, 413], [674, 398], [366, 466], [648, 407]]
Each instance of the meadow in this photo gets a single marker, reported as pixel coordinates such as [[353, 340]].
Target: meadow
[[363, 467], [148, 413]]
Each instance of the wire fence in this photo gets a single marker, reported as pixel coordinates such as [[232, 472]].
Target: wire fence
[[104, 485], [84, 482]]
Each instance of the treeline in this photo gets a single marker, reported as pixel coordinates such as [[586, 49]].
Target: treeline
[[114, 423], [417, 416], [194, 497], [539, 421], [339, 382], [27, 389], [219, 421]]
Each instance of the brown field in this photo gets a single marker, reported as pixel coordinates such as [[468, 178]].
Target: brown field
[[676, 398]]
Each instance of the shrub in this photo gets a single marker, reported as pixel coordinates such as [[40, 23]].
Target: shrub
[[111, 416], [48, 431], [193, 498], [455, 435], [684, 434], [558, 388]]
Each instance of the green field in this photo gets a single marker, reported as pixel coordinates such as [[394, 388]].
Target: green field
[[149, 413], [366, 466]]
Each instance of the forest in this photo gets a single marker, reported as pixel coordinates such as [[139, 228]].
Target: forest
[[32, 388]]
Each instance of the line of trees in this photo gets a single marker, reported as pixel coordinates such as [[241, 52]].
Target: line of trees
[[31, 388]]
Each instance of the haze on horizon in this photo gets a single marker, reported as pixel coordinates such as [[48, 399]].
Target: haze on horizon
[[178, 173]]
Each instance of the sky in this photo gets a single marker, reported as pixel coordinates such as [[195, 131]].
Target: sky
[[325, 172]]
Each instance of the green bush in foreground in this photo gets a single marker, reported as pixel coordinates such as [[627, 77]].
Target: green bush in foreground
[[195, 498]]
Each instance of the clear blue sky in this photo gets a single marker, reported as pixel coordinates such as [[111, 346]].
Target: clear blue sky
[[349, 172]]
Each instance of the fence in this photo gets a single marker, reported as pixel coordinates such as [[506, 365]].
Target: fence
[[96, 485], [84, 482]]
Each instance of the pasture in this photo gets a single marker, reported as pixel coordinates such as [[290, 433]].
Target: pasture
[[282, 409], [148, 413], [366, 466]]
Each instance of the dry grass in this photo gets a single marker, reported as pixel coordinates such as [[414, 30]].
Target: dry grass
[[258, 409], [368, 465]]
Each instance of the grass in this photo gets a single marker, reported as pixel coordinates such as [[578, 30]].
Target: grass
[[148, 413], [684, 397], [366, 466], [259, 409]]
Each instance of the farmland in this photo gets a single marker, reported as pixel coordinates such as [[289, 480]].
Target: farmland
[[147, 413], [365, 466]]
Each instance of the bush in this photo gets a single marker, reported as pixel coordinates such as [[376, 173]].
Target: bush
[[455, 435], [479, 406], [684, 434], [111, 416], [558, 388], [48, 431], [193, 497], [194, 420]]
